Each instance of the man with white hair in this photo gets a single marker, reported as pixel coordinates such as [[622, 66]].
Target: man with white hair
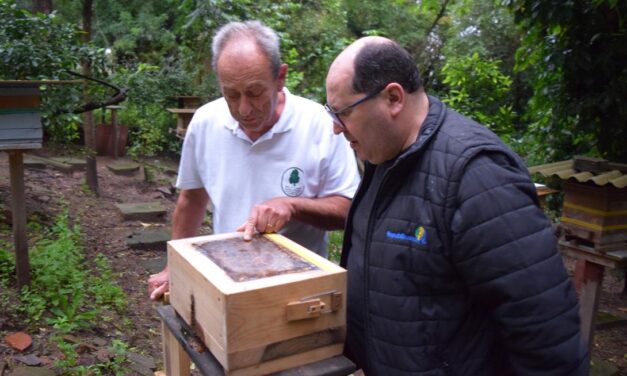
[[266, 159]]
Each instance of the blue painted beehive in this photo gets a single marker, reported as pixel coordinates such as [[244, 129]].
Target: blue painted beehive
[[20, 117]]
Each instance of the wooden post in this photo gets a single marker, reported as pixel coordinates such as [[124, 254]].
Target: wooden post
[[588, 280], [175, 360], [116, 131], [22, 265]]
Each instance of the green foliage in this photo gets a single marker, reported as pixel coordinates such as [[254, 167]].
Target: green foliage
[[68, 364], [478, 89], [336, 238], [62, 289], [151, 89], [106, 293], [40, 46], [36, 46], [7, 273], [574, 53]]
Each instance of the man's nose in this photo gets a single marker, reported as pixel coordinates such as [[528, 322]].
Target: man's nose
[[244, 107], [337, 127]]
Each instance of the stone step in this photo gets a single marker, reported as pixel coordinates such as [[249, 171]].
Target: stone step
[[145, 211], [123, 168], [155, 265], [76, 163], [154, 239], [49, 162]]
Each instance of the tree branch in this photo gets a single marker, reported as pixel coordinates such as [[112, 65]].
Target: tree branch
[[118, 96]]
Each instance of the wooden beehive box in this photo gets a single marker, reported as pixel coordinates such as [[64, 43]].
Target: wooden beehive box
[[261, 306], [596, 214], [20, 119]]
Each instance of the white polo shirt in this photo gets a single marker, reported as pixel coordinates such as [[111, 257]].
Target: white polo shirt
[[298, 157]]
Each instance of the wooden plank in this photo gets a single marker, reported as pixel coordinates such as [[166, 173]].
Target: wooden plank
[[595, 165], [288, 362], [612, 259], [22, 265], [175, 358], [622, 167], [21, 135], [36, 83], [17, 91], [20, 146], [182, 110], [22, 101], [185, 282], [20, 121]]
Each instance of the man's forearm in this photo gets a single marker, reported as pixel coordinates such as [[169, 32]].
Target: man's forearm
[[328, 213], [189, 213]]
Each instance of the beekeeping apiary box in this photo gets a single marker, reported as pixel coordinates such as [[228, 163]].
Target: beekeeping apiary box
[[260, 306]]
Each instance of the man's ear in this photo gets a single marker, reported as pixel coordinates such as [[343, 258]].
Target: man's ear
[[282, 76], [395, 98]]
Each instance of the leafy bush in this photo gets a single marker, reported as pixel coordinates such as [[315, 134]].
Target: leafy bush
[[151, 91], [42, 46], [36, 46], [478, 89]]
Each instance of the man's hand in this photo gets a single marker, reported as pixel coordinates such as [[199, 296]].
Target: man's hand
[[158, 284], [269, 216]]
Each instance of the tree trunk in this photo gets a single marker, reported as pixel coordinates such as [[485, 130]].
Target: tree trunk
[[89, 129]]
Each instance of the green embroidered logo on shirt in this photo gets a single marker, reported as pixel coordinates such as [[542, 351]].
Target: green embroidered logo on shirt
[[292, 182]]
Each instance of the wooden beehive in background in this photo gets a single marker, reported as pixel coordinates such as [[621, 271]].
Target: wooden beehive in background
[[20, 119], [594, 212], [260, 306], [597, 214]]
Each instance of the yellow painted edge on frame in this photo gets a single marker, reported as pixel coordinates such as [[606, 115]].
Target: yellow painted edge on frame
[[597, 212], [592, 226]]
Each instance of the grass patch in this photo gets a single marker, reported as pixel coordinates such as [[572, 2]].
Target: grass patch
[[335, 245]]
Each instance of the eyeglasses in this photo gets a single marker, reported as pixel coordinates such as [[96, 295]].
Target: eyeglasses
[[336, 114]]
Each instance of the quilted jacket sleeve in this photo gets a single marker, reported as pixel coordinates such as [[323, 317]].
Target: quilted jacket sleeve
[[504, 249]]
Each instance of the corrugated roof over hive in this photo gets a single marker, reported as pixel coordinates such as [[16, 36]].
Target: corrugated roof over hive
[[585, 170]]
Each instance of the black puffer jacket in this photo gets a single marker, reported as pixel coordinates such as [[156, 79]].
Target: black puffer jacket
[[461, 272]]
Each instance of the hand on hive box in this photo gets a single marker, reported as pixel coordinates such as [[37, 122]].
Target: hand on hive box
[[158, 284], [269, 216]]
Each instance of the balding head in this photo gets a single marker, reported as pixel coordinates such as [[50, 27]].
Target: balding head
[[373, 62], [375, 96]]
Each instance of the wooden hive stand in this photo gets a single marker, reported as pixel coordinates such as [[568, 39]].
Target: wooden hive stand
[[187, 106]]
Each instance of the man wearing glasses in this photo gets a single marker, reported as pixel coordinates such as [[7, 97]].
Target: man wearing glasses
[[452, 267], [267, 159]]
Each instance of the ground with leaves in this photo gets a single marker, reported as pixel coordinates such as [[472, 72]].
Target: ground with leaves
[[124, 331]]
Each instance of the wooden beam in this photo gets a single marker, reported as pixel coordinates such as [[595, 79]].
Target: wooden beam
[[588, 280]]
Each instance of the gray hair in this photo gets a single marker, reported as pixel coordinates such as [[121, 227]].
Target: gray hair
[[265, 37]]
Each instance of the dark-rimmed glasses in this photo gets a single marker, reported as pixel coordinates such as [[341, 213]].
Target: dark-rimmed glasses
[[336, 114]]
